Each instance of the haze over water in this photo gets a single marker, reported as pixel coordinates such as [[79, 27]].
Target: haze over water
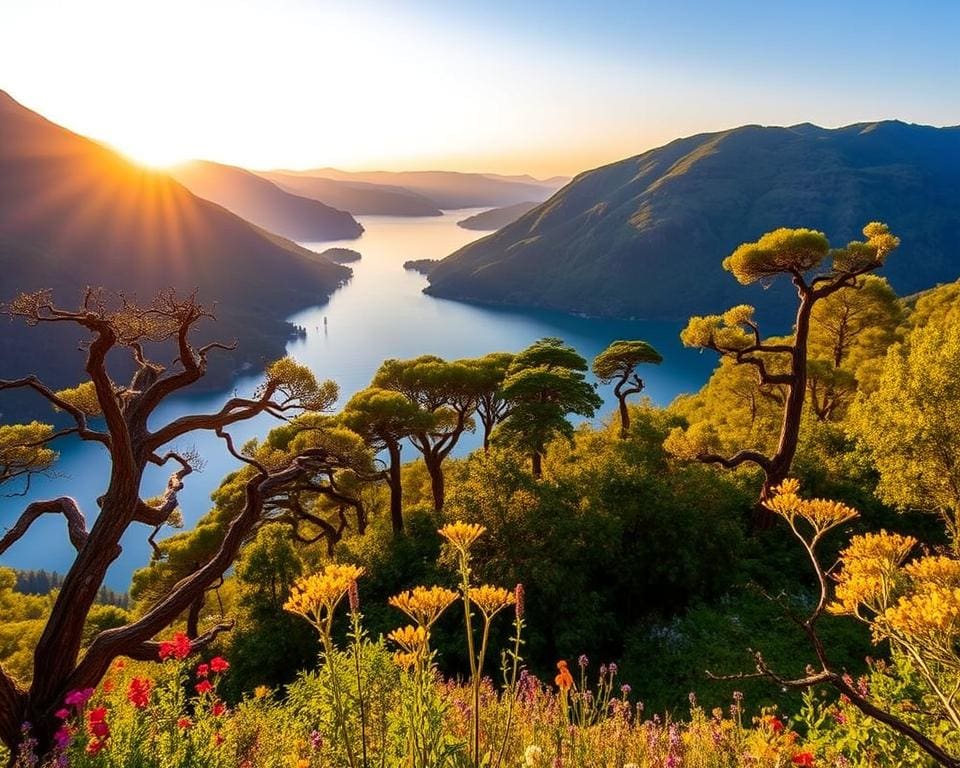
[[381, 313]]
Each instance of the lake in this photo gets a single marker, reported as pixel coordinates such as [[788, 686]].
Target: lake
[[380, 313]]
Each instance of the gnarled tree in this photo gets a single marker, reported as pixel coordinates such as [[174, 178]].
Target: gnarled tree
[[817, 272], [119, 418], [618, 363]]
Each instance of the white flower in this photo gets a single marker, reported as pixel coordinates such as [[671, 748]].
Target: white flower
[[531, 755]]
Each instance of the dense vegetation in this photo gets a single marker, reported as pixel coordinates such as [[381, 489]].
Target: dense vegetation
[[621, 539], [623, 240]]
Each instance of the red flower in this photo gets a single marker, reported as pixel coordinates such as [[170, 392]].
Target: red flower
[[219, 664], [119, 664], [178, 648], [97, 723], [184, 723], [203, 687], [218, 738], [218, 708], [95, 745], [776, 725], [108, 685], [138, 692], [203, 670], [804, 759]]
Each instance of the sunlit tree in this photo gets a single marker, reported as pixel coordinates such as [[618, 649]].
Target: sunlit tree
[[911, 422], [618, 363], [817, 272]]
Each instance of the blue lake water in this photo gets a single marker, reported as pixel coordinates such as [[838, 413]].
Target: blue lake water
[[381, 313]]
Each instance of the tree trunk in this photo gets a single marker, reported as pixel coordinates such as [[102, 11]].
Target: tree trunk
[[536, 463], [782, 460], [396, 488], [435, 468], [624, 416]]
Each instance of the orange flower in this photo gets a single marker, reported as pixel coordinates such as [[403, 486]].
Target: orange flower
[[803, 759], [564, 679]]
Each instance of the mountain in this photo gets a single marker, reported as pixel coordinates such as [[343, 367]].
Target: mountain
[[450, 189], [262, 202], [357, 197], [496, 218], [74, 213], [645, 236]]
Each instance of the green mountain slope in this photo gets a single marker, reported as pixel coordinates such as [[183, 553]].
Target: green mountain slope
[[645, 236], [74, 213], [262, 202]]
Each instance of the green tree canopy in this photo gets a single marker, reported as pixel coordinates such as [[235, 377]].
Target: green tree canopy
[[544, 383], [384, 418], [911, 422], [618, 362]]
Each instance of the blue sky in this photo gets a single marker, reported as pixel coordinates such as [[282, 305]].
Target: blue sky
[[545, 87]]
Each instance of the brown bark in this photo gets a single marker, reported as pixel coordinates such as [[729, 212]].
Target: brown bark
[[59, 663]]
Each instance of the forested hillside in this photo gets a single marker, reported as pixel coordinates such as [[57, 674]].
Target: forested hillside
[[782, 543], [624, 240]]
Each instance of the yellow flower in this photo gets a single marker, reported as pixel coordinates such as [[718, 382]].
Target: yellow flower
[[405, 660], [491, 599], [930, 618], [870, 573], [411, 639], [312, 595], [424, 605], [303, 763], [934, 570], [462, 535], [821, 514], [261, 692]]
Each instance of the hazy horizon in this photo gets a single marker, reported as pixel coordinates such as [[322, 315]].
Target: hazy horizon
[[540, 89]]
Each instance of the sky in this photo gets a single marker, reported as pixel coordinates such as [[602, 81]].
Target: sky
[[532, 86]]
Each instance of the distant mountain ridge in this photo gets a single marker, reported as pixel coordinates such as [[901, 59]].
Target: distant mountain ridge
[[495, 218], [263, 203], [359, 198], [74, 213], [645, 236], [453, 189]]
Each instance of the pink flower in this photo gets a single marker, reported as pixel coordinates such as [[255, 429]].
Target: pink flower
[[62, 737], [79, 698], [62, 714]]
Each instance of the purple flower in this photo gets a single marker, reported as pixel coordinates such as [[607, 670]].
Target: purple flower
[[583, 661], [316, 740], [612, 669], [625, 689]]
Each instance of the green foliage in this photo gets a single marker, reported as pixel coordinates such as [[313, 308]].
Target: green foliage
[[911, 424], [621, 358], [23, 450], [268, 645], [776, 253], [544, 383], [83, 397]]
